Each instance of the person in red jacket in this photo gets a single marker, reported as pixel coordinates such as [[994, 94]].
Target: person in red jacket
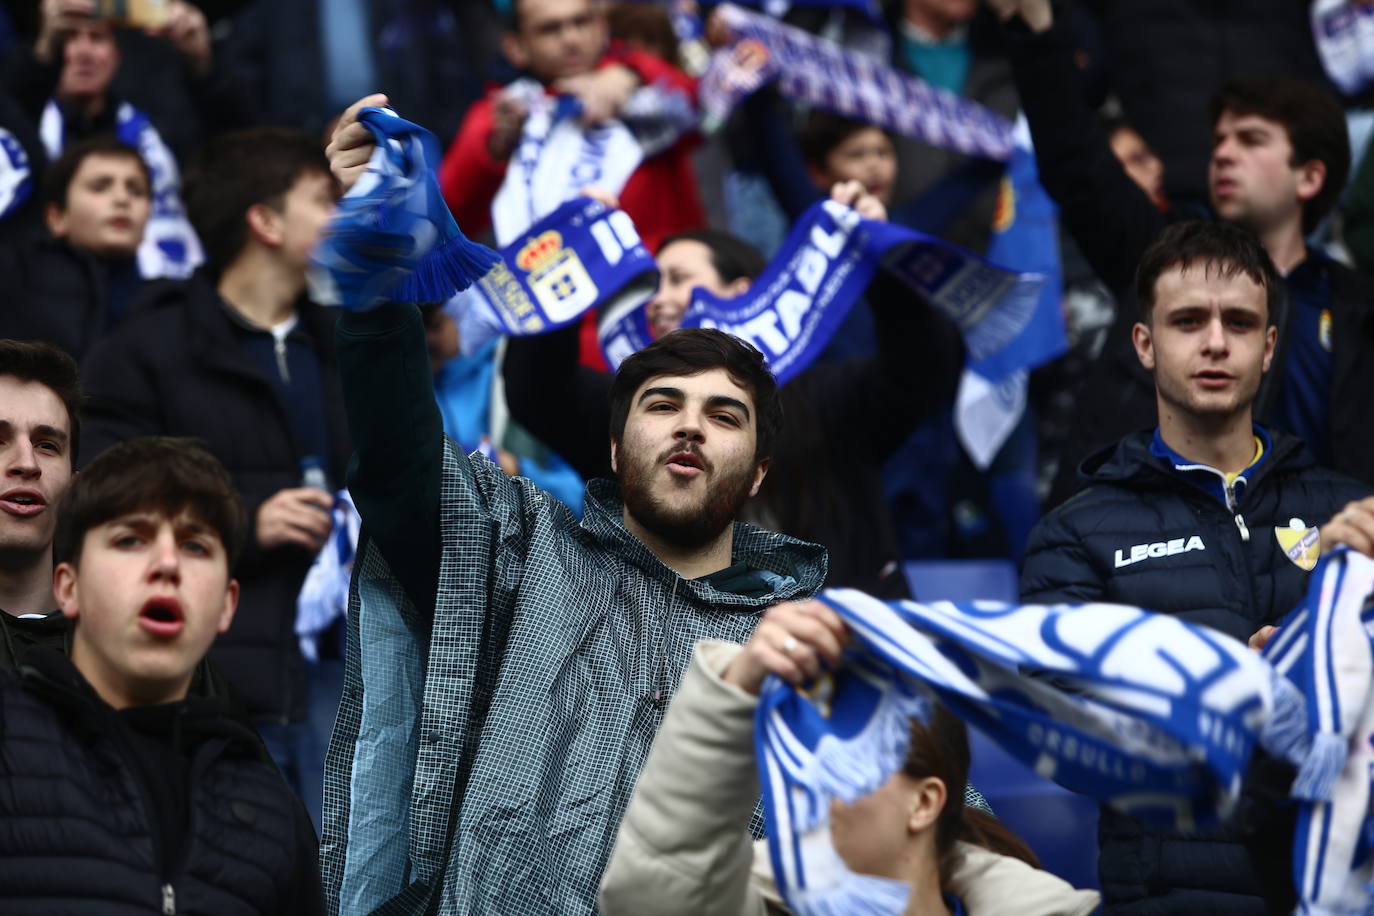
[[565, 45]]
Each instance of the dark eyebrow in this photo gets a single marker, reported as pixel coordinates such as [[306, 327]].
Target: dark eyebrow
[[52, 432], [721, 400], [675, 393]]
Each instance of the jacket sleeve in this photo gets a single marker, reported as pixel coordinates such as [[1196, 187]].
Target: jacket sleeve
[[397, 433], [652, 69], [122, 396], [914, 372], [560, 402], [1112, 220], [684, 844], [1057, 568], [1359, 213], [468, 176], [985, 882], [779, 158]]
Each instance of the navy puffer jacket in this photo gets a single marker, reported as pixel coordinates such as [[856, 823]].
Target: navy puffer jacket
[[1145, 534], [78, 834]]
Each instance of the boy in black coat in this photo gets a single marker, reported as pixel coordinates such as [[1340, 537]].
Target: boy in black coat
[[121, 794]]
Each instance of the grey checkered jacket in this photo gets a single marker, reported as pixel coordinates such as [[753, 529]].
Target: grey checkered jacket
[[485, 761]]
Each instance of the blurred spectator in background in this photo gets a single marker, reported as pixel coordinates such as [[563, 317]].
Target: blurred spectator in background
[[1164, 58], [157, 87], [955, 46], [430, 56], [74, 284], [845, 417], [1280, 157], [564, 45], [645, 27], [238, 358]]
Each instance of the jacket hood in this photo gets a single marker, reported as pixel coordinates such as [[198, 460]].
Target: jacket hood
[[1131, 458], [794, 568]]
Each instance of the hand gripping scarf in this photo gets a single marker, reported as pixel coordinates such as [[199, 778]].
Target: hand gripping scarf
[[392, 238], [1323, 647], [1143, 711]]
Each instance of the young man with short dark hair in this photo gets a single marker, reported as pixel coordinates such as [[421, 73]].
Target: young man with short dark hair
[[1280, 156], [73, 285], [120, 790], [1211, 517], [40, 397], [237, 357], [536, 653]]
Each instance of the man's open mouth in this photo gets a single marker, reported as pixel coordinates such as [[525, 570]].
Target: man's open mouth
[[687, 463], [162, 616], [23, 502]]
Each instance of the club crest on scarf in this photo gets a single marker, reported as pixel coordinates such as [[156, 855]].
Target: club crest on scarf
[[584, 254], [1145, 712]]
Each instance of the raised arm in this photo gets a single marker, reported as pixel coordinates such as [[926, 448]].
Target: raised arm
[[561, 403], [1109, 216], [398, 441]]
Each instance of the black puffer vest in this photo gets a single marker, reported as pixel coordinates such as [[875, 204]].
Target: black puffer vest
[[77, 830]]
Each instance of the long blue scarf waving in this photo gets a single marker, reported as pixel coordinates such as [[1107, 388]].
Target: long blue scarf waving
[[1143, 711], [392, 238], [1324, 648]]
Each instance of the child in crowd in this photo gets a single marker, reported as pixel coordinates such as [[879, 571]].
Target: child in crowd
[[72, 285], [120, 792]]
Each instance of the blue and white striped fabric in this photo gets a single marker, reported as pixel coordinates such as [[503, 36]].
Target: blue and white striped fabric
[[16, 174], [1324, 648], [323, 599], [392, 238], [823, 74], [1142, 711]]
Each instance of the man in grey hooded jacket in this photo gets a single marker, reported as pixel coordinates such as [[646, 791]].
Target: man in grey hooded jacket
[[508, 666]]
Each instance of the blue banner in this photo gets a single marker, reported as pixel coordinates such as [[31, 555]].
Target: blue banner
[[583, 254]]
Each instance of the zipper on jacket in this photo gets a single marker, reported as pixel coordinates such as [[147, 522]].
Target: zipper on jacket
[[659, 697], [279, 348], [169, 900], [1233, 505]]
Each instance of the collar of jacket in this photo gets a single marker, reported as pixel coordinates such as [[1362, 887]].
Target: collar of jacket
[[210, 333], [787, 558], [50, 676], [1132, 460]]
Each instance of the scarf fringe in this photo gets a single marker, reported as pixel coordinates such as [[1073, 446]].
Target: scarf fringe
[[849, 769], [449, 268], [1285, 735], [1317, 776]]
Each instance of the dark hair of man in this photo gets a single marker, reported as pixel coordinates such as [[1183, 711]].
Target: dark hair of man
[[692, 351], [162, 474], [236, 171], [939, 748], [731, 257], [822, 132], [1315, 124], [1213, 245], [32, 361], [57, 177], [645, 25]]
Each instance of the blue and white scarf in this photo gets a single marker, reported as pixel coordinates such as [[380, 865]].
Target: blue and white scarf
[[558, 157], [791, 311], [992, 395], [170, 246], [392, 238], [1324, 648], [823, 74], [582, 255], [323, 600], [16, 174], [1344, 35], [1147, 713]]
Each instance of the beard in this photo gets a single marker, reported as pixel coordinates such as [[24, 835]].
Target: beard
[[688, 526], [1180, 395]]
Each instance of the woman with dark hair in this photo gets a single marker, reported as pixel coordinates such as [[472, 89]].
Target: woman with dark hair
[[684, 844]]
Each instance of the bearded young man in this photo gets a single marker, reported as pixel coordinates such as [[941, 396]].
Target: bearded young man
[[508, 665], [1210, 517]]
